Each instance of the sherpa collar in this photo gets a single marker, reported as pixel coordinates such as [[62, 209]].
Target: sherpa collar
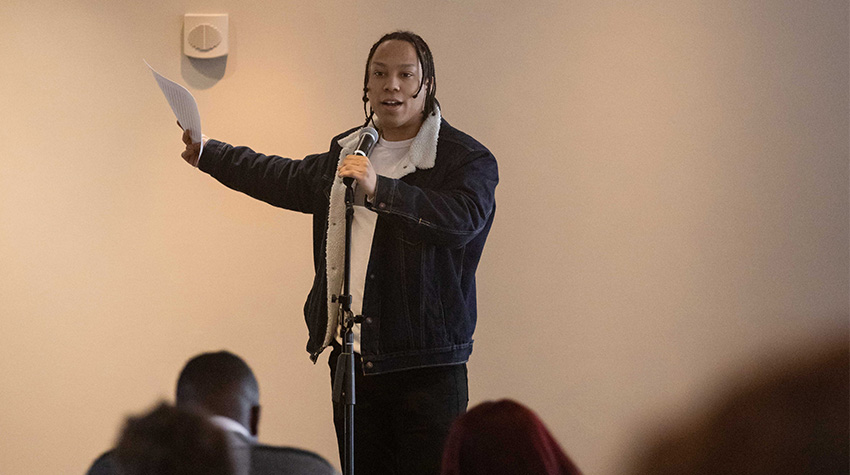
[[422, 155], [423, 150]]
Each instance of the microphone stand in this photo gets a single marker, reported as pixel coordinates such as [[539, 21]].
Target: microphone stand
[[344, 376]]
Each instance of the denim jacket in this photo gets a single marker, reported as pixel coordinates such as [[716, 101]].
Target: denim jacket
[[419, 302]]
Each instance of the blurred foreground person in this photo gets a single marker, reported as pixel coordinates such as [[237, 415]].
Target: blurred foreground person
[[793, 420], [503, 438], [172, 441]]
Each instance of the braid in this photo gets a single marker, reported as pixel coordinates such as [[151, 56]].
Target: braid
[[369, 116]]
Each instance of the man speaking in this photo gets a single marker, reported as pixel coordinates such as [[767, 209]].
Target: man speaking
[[424, 204]]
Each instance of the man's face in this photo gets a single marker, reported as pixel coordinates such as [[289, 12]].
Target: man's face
[[394, 76]]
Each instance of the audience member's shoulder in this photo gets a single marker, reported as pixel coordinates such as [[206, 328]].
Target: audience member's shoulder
[[268, 459], [103, 465]]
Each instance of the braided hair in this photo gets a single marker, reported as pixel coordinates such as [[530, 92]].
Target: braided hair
[[429, 78]]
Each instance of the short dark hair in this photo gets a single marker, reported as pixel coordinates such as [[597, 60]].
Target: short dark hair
[[213, 379], [426, 60], [171, 441]]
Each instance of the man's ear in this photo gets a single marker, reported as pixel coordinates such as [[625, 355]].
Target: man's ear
[[255, 420]]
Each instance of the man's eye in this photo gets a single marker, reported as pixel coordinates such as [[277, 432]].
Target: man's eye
[[378, 73], [407, 75]]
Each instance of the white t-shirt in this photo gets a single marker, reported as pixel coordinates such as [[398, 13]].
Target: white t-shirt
[[388, 160]]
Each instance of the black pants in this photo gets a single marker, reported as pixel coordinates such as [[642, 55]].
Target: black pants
[[401, 419]]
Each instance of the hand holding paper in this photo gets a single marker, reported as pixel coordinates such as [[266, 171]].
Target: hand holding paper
[[186, 110], [193, 149]]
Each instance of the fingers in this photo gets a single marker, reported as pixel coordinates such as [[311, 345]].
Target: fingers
[[192, 153], [193, 150], [188, 153], [355, 166], [359, 168]]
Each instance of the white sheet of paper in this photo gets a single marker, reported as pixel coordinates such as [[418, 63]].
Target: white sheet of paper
[[183, 105]]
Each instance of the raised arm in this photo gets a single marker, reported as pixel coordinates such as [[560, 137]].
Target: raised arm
[[278, 181]]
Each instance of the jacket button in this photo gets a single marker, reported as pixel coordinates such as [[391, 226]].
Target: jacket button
[[369, 365], [382, 205], [368, 320], [371, 276]]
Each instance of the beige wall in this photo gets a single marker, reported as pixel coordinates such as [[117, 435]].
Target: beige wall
[[673, 205]]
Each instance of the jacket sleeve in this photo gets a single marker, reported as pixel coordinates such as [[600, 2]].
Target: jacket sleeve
[[451, 214], [281, 182]]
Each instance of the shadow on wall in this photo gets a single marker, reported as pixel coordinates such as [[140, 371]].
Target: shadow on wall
[[790, 420], [202, 73]]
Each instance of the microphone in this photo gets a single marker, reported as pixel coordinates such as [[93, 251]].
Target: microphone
[[368, 139]]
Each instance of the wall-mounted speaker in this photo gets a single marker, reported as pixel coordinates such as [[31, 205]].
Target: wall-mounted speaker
[[205, 36]]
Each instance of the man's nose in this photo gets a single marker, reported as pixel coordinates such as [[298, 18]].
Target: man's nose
[[392, 84]]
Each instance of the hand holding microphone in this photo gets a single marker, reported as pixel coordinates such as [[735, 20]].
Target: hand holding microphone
[[357, 165]]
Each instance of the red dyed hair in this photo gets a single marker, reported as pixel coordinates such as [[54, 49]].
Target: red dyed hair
[[503, 438]]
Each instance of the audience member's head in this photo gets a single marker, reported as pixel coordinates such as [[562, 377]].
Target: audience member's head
[[502, 438], [172, 441], [221, 384]]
